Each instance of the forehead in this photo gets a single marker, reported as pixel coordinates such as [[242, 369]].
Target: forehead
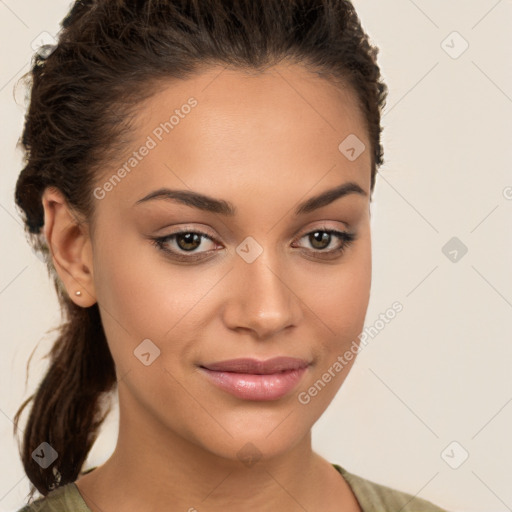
[[268, 129], [273, 99]]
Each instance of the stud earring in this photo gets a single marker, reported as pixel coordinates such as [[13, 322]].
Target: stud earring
[[78, 292]]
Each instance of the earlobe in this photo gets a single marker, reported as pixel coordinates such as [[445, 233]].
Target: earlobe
[[70, 246]]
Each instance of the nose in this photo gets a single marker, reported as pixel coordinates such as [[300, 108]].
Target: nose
[[262, 299]]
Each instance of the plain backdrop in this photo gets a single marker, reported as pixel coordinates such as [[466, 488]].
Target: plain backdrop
[[433, 386]]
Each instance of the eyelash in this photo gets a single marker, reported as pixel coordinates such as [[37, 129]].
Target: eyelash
[[344, 236]]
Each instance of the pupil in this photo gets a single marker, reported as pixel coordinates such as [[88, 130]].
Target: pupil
[[321, 236], [190, 238]]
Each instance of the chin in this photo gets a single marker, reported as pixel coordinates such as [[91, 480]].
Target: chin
[[257, 441]]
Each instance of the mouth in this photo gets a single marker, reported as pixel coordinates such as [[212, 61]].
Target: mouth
[[252, 379]]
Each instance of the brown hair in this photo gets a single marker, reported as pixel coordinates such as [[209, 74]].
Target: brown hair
[[111, 54]]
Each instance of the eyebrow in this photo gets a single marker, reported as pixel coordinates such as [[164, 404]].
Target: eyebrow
[[210, 204]]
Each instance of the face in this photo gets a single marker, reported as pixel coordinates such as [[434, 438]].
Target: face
[[270, 278]]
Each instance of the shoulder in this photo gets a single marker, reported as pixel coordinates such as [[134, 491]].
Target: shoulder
[[376, 497], [62, 499]]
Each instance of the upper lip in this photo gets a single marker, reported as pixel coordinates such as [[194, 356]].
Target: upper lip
[[255, 366]]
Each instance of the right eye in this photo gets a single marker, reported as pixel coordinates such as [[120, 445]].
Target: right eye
[[185, 241]]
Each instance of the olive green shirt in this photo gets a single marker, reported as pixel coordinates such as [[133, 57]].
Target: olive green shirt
[[372, 497]]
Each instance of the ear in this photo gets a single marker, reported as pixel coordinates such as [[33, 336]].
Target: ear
[[70, 246]]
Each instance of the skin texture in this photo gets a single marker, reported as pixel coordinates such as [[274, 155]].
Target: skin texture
[[264, 143]]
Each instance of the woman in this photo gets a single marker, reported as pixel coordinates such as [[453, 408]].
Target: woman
[[199, 176]]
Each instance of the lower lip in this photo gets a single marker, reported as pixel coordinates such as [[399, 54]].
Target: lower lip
[[249, 386]]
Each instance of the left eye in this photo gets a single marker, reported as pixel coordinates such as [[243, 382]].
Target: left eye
[[322, 238], [189, 241]]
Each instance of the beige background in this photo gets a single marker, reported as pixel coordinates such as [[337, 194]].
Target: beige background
[[440, 371]]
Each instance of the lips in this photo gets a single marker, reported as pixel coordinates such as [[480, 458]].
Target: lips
[[251, 379], [256, 367]]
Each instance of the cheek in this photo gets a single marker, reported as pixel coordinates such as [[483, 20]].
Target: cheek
[[339, 295], [137, 288], [143, 296], [340, 304]]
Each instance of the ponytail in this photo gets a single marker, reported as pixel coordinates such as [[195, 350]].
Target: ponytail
[[67, 409]]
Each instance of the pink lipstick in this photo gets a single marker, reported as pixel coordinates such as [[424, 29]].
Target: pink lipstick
[[252, 379]]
